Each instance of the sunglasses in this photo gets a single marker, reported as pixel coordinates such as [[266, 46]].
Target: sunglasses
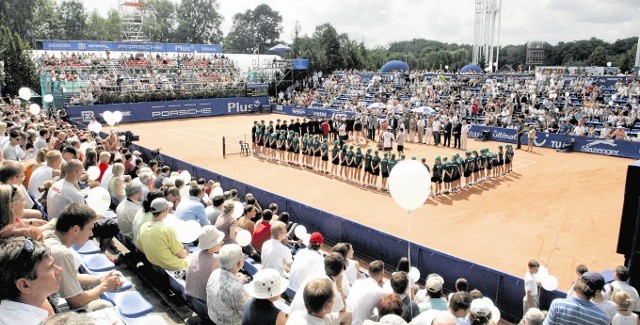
[[28, 246]]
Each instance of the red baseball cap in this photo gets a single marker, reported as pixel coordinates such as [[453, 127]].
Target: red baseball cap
[[316, 238]]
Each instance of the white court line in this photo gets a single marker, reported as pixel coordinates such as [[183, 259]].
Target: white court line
[[198, 143], [525, 165], [200, 136]]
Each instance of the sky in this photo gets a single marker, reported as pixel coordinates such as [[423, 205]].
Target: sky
[[380, 22]]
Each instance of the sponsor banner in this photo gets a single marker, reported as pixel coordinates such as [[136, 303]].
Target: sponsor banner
[[300, 64], [165, 110], [308, 112], [127, 46], [607, 147]]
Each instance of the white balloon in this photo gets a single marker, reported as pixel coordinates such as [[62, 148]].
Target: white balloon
[[34, 109], [99, 199], [550, 283], [48, 98], [117, 116], [409, 184], [188, 231], [217, 191], [24, 93], [109, 118], [414, 274], [185, 176], [172, 221], [300, 232], [238, 209], [243, 237], [542, 274], [614, 96], [95, 127], [610, 103], [93, 172], [184, 191]]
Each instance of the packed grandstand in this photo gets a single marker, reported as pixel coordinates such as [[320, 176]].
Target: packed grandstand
[[235, 257]]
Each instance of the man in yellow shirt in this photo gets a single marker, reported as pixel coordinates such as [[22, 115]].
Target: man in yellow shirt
[[159, 242]]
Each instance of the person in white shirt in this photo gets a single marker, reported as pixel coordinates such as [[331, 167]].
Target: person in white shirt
[[464, 134], [45, 173], [387, 139], [530, 299], [275, 254], [308, 261], [333, 271], [28, 277], [620, 277], [128, 208], [10, 150], [459, 305], [365, 293], [435, 127], [318, 298]]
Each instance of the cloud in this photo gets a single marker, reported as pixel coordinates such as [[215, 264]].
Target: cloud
[[379, 22]]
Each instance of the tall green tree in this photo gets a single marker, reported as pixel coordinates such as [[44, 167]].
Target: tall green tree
[[161, 22], [199, 22], [598, 57], [104, 28], [74, 19], [48, 22], [19, 68], [327, 36], [18, 16], [259, 29]]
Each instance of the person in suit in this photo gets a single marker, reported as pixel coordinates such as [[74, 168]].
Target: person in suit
[[447, 133], [457, 132]]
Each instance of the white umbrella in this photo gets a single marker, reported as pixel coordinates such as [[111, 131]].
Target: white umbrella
[[424, 110], [377, 105], [280, 48]]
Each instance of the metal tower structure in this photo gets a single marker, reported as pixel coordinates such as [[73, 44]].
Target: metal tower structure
[[132, 17], [486, 32]]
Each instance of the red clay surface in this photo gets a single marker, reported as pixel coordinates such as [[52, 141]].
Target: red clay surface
[[561, 209]]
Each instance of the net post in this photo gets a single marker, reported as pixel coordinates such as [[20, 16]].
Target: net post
[[224, 148]]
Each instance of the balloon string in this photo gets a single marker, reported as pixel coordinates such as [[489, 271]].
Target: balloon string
[[409, 252]]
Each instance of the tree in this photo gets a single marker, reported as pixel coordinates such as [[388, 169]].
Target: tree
[[103, 29], [47, 20], [199, 22], [19, 68], [18, 16], [327, 37], [161, 22], [260, 27], [74, 19], [598, 57]]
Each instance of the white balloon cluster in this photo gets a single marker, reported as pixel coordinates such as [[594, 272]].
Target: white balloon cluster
[[95, 127], [25, 93], [187, 231], [548, 281], [112, 118]]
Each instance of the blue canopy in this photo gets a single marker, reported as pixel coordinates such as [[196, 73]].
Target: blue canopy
[[471, 68], [395, 65]]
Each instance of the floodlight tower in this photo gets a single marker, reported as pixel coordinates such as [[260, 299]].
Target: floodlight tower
[[486, 35], [132, 17]]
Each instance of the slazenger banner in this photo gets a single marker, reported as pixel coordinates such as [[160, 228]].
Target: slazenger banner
[[308, 112], [166, 110], [607, 147]]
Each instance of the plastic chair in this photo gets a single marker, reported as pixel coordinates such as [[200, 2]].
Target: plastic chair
[[97, 263], [130, 303], [88, 248]]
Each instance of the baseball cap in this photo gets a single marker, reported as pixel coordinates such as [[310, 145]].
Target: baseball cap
[[316, 238], [434, 283], [209, 237], [160, 204], [594, 280]]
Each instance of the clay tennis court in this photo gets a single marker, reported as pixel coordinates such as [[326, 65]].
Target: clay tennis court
[[561, 209]]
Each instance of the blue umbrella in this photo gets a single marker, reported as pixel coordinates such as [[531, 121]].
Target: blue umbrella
[[280, 48]]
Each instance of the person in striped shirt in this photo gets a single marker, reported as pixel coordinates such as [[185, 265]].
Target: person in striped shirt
[[579, 309]]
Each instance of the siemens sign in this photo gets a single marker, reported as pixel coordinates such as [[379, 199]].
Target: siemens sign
[[153, 111]]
